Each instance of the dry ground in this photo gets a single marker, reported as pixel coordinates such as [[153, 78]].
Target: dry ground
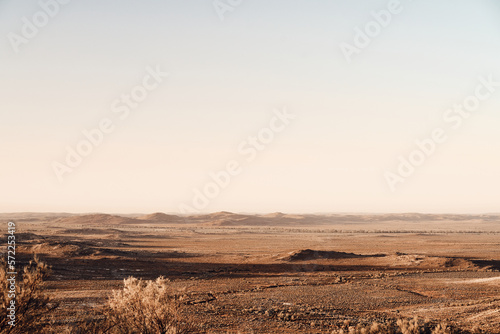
[[278, 273]]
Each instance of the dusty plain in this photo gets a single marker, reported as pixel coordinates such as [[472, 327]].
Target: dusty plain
[[276, 273]]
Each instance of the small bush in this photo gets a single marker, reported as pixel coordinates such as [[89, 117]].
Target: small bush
[[146, 307], [32, 305]]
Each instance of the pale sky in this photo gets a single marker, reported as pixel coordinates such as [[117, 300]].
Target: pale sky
[[61, 74]]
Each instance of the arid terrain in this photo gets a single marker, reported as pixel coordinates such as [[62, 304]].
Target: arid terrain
[[277, 273]]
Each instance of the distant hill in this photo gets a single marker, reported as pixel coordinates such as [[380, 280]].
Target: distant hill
[[223, 218], [97, 219], [33, 216], [160, 217], [381, 222]]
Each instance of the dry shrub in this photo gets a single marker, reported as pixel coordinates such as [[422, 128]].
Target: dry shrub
[[442, 328], [401, 326], [32, 305], [146, 307], [409, 326]]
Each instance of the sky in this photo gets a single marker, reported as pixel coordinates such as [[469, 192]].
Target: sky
[[249, 106]]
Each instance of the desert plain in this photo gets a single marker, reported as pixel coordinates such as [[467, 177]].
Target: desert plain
[[276, 273]]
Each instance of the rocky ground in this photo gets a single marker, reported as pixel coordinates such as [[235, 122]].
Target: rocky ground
[[276, 280]]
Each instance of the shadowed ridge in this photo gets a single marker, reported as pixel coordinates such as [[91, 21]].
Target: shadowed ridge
[[309, 254]]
